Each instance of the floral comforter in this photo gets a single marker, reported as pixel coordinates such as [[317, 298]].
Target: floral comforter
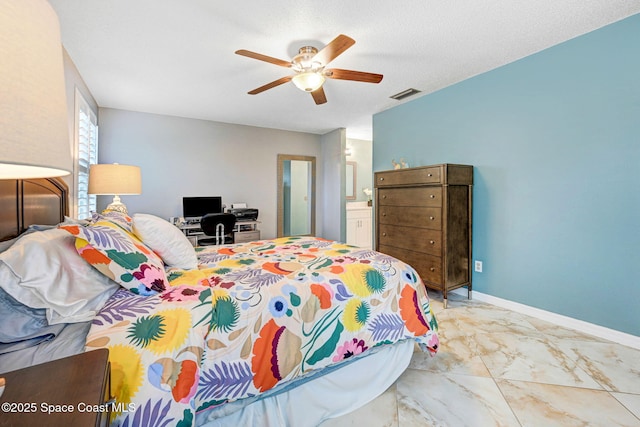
[[253, 316]]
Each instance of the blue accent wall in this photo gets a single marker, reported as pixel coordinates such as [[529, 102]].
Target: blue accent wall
[[555, 141]]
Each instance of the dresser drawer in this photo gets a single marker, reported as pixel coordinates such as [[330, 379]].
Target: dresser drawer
[[415, 196], [418, 240], [411, 216], [429, 267], [399, 177], [246, 236]]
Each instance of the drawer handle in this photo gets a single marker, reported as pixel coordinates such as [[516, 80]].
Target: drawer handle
[[384, 197], [432, 269], [384, 234], [429, 174], [431, 218], [381, 179], [384, 214], [432, 196], [433, 242]]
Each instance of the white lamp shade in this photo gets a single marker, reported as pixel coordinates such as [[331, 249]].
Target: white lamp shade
[[34, 136], [308, 81], [114, 179]]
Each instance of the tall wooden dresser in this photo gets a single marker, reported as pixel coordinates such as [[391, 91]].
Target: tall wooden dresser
[[423, 217]]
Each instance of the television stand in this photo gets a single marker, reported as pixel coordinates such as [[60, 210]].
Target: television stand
[[243, 231], [246, 231]]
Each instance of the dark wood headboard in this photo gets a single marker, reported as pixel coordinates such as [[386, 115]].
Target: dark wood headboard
[[24, 202]]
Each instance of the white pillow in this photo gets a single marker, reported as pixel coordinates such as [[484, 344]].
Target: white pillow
[[43, 270], [166, 240]]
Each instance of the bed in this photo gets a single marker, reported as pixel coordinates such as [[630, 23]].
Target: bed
[[289, 331]]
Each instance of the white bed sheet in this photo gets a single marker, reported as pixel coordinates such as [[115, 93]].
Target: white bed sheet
[[68, 342], [328, 396]]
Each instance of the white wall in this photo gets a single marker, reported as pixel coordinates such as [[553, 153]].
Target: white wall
[[188, 157]]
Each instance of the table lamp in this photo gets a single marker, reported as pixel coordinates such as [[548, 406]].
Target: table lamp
[[116, 180], [34, 136]]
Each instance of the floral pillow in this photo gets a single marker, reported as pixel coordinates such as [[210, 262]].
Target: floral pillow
[[119, 255]]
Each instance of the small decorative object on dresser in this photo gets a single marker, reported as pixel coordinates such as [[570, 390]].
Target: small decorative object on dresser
[[423, 217], [367, 191]]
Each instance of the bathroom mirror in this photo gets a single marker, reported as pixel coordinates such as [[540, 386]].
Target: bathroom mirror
[[350, 181], [296, 195]]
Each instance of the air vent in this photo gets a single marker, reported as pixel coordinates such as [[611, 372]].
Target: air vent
[[405, 94]]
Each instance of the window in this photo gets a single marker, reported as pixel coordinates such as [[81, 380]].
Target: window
[[86, 143]]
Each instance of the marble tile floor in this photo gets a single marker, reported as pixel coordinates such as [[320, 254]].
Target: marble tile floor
[[497, 367]]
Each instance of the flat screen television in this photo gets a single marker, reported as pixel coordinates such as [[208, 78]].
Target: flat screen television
[[196, 207]]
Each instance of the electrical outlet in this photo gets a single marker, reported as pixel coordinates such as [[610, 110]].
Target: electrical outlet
[[478, 266]]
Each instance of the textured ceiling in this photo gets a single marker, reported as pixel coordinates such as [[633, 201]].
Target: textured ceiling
[[177, 57]]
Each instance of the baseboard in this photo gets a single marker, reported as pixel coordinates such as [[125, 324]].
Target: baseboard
[[557, 319]]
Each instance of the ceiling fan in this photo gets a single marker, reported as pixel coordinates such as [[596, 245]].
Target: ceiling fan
[[310, 68]]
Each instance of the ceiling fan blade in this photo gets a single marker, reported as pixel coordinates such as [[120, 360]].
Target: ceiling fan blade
[[318, 96], [333, 49], [359, 76], [271, 85], [264, 58]]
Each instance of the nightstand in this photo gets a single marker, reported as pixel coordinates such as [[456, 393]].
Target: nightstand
[[66, 392]]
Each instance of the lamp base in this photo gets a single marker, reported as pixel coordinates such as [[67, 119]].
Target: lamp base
[[116, 206]]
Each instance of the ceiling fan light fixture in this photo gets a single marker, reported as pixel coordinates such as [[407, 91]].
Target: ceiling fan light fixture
[[308, 81], [303, 61], [309, 72]]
